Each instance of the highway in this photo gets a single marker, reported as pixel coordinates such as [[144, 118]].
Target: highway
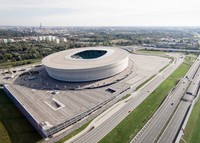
[[175, 125], [170, 133], [160, 118], [135, 48], [172, 50], [105, 127], [152, 131]]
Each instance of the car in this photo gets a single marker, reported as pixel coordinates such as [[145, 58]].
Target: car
[[129, 111], [172, 103]]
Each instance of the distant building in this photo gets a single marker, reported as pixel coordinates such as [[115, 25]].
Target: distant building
[[11, 40], [5, 41], [64, 40], [40, 25], [51, 38], [57, 40], [41, 38]]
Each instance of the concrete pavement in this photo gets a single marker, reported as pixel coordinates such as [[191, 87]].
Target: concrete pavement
[[99, 132]]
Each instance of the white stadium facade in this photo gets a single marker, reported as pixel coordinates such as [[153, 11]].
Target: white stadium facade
[[86, 64]]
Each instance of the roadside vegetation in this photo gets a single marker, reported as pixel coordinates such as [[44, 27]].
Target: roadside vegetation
[[125, 97], [74, 133], [14, 127], [192, 130], [163, 68], [132, 124], [137, 88], [151, 52]]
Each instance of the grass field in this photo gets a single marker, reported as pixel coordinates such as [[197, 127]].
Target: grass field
[[150, 52], [128, 128], [14, 127], [192, 130]]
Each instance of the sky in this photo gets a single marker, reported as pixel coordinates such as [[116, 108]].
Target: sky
[[100, 12]]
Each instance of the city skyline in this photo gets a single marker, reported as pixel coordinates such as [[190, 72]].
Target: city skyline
[[100, 13]]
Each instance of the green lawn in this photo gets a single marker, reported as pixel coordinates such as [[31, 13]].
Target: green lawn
[[151, 52], [195, 138], [14, 127], [4, 137], [129, 127], [192, 130]]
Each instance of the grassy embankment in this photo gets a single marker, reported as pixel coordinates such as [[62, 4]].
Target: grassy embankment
[[14, 127], [192, 130], [130, 126]]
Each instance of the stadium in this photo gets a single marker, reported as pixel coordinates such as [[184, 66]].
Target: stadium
[[86, 64], [72, 87]]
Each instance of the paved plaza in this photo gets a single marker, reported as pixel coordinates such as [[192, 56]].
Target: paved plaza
[[54, 102]]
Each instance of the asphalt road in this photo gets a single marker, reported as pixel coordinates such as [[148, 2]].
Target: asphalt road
[[99, 132], [174, 127], [172, 130], [172, 50], [158, 121], [156, 125]]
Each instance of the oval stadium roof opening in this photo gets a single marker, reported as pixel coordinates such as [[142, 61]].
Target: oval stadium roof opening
[[89, 54]]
